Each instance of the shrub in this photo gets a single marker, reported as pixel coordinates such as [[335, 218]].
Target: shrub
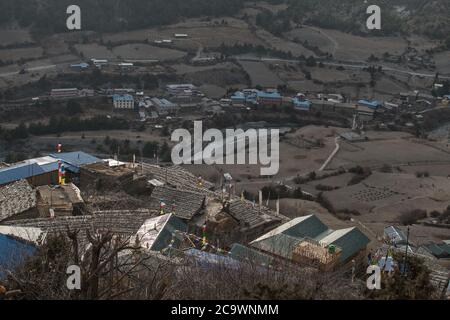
[[322, 187], [435, 214], [412, 217]]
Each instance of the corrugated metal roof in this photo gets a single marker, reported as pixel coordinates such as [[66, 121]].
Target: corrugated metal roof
[[75, 159], [268, 95], [302, 227], [303, 104], [280, 244], [282, 240], [19, 172], [246, 254], [370, 104], [207, 259], [50, 167], [350, 240], [13, 252], [29, 234], [125, 97], [395, 234], [156, 233], [439, 250], [166, 234]]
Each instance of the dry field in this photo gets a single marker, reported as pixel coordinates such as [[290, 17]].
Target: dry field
[[281, 44], [213, 91], [275, 8], [442, 60], [209, 35], [442, 170], [139, 51], [386, 148], [184, 68], [94, 51], [328, 74], [356, 48], [419, 234], [305, 86], [338, 181], [314, 36], [11, 37], [385, 195], [389, 86], [421, 43], [9, 74], [288, 71], [15, 55], [224, 78], [296, 157], [260, 74], [55, 45], [209, 23], [359, 48], [65, 58]]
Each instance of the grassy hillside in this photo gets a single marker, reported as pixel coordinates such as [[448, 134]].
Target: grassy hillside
[[431, 18], [49, 16], [426, 17]]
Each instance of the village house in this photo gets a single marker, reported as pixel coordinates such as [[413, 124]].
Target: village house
[[308, 241]]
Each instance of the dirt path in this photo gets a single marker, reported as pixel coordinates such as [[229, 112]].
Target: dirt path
[[335, 151], [335, 43]]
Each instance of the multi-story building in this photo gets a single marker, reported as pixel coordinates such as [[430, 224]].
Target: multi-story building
[[180, 89], [269, 98], [65, 93], [124, 102]]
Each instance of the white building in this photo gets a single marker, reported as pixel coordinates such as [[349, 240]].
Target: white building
[[125, 101], [180, 89], [99, 63], [125, 66], [65, 93], [164, 106]]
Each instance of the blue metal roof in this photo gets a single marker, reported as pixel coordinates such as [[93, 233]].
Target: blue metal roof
[[83, 65], [13, 252], [18, 172], [301, 104], [124, 97], [371, 104], [270, 95], [49, 167], [238, 97], [74, 160]]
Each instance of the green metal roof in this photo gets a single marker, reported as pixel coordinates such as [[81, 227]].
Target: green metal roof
[[308, 228], [439, 250], [282, 240], [246, 254], [281, 245], [351, 243]]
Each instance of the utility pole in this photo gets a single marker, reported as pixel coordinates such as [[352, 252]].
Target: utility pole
[[406, 252]]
